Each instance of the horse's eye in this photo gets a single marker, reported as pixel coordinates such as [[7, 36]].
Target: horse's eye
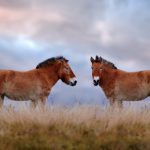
[[67, 68]]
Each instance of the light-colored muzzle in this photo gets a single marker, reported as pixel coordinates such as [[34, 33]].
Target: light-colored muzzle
[[73, 81], [96, 80]]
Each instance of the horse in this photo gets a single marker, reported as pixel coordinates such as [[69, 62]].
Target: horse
[[119, 85], [36, 84]]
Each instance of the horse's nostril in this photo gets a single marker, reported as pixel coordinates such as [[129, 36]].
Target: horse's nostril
[[75, 82], [95, 81]]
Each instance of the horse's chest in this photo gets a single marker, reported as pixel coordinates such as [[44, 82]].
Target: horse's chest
[[108, 90], [46, 91], [40, 91]]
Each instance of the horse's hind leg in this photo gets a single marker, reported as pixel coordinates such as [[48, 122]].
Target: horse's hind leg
[[33, 104], [41, 103], [1, 100], [119, 104]]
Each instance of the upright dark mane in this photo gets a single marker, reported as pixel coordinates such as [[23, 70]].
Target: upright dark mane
[[50, 61], [104, 61]]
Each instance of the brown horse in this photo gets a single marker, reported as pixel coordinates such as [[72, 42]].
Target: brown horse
[[119, 85], [36, 84]]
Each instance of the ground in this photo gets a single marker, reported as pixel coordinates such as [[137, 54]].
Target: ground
[[82, 127]]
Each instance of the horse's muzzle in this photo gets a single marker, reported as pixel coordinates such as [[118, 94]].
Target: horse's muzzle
[[95, 82], [73, 83]]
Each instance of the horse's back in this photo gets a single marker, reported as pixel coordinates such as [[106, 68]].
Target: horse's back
[[3, 75], [143, 76], [20, 77]]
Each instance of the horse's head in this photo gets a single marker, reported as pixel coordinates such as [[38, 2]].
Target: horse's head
[[65, 73], [99, 65], [60, 68]]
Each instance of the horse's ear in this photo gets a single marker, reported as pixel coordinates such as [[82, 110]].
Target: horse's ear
[[96, 57], [66, 60], [92, 59], [100, 58]]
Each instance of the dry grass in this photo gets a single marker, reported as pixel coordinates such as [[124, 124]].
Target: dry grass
[[79, 127]]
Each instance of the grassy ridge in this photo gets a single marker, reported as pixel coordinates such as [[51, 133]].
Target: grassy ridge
[[81, 127]]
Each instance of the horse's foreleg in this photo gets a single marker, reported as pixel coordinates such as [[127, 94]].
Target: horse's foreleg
[[116, 103], [120, 103], [42, 103]]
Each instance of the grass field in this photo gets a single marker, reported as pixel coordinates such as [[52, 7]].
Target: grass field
[[75, 128]]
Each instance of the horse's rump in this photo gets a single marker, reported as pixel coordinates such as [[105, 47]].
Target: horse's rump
[[18, 85]]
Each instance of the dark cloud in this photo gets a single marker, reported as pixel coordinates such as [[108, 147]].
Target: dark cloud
[[15, 4], [124, 35], [77, 19]]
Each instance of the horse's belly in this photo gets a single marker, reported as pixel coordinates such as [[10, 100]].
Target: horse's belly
[[133, 95], [26, 93], [20, 95]]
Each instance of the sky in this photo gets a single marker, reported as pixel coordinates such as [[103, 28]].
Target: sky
[[34, 30]]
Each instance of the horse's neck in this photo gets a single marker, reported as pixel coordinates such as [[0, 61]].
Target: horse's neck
[[108, 78], [50, 76], [108, 75]]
